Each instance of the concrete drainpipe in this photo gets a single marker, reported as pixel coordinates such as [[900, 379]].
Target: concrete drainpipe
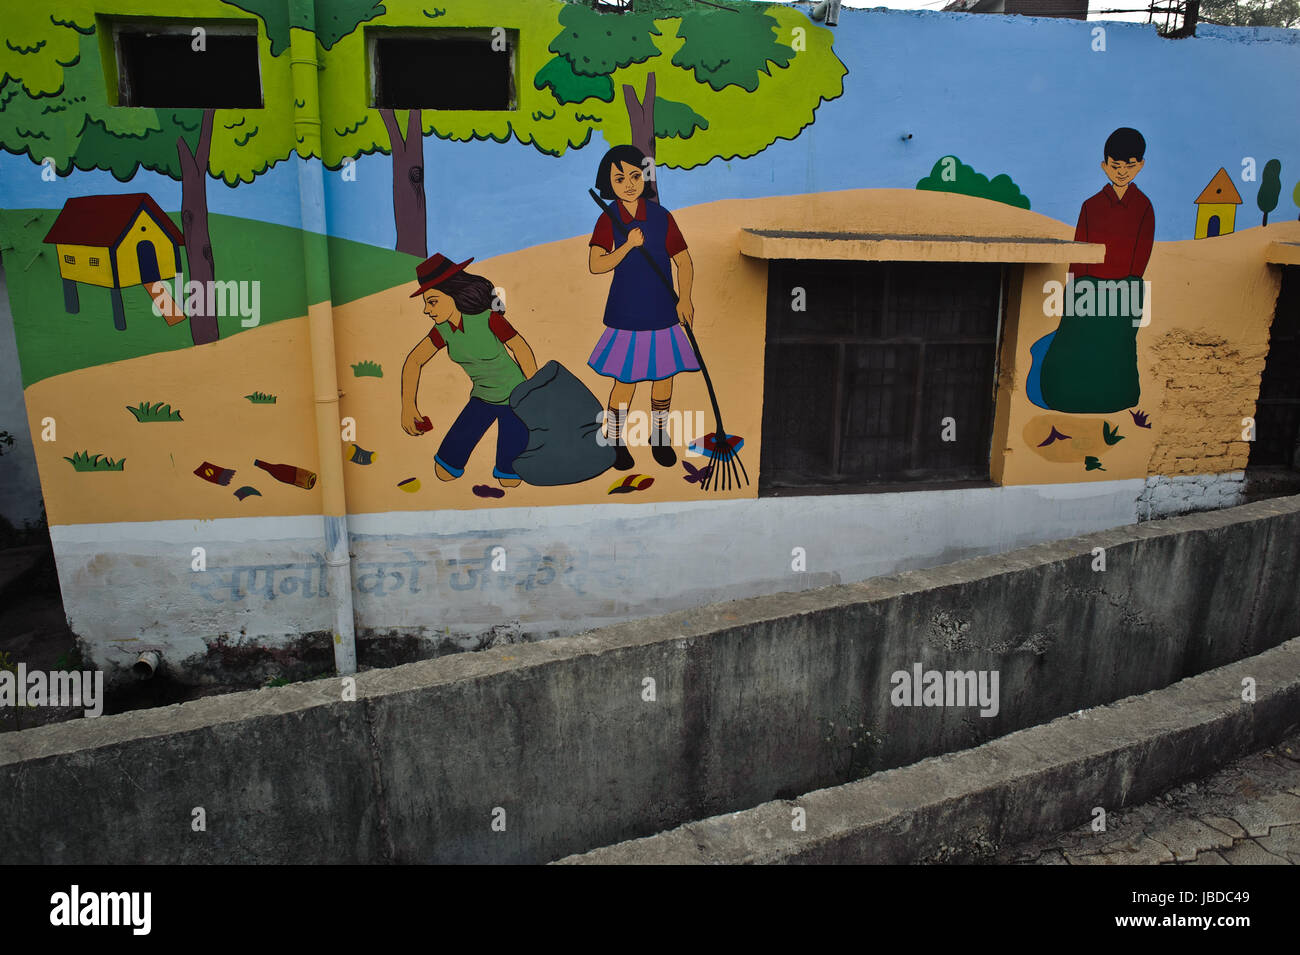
[[320, 322]]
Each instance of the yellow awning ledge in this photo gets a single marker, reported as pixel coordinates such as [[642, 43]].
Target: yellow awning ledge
[[901, 247], [1282, 253]]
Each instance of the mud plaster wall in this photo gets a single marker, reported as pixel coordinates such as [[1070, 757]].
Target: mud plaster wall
[[1206, 369], [1207, 384]]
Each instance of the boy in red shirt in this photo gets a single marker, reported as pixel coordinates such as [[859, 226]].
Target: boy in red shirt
[[1090, 366]]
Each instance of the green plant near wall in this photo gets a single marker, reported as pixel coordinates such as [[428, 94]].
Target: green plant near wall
[[852, 743], [70, 662], [154, 412], [82, 461]]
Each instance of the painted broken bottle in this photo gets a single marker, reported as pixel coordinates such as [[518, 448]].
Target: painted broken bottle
[[289, 474]]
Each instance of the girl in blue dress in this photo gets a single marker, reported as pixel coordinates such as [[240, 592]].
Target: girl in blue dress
[[643, 338]]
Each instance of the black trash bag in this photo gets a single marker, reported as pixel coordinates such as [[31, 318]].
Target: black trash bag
[[563, 419]]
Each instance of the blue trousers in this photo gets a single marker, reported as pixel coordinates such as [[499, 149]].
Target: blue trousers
[[468, 429]]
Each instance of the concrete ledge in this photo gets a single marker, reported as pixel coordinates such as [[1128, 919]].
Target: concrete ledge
[[560, 736], [1029, 783], [1282, 253]]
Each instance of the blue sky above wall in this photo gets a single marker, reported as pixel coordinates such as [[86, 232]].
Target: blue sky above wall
[[1021, 96]]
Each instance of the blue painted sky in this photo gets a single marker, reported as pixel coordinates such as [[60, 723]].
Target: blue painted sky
[[1015, 95]]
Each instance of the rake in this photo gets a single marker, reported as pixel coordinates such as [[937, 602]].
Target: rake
[[726, 470]]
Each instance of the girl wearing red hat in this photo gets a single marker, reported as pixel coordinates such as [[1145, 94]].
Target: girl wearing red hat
[[493, 354]]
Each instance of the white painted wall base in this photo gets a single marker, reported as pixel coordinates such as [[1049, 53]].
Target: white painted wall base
[[532, 572]]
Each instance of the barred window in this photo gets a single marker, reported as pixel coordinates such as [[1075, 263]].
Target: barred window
[[188, 63], [886, 376], [70, 259], [443, 68]]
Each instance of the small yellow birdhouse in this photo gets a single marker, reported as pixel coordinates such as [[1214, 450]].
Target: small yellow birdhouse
[[1216, 207], [114, 242]]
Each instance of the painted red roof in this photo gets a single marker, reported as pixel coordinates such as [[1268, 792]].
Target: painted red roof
[[101, 220], [1220, 190]]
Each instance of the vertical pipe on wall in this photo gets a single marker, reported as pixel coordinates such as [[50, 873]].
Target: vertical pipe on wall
[[320, 320]]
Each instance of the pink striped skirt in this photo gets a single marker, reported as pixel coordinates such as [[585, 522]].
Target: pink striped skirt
[[643, 355]]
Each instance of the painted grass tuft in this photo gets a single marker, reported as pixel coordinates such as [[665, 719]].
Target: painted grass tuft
[[82, 461], [261, 398], [154, 412], [367, 369]]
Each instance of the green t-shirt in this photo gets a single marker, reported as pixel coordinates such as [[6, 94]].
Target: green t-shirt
[[476, 348]]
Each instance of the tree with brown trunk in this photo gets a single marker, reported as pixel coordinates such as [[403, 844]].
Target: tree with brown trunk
[[641, 116], [408, 182], [194, 225]]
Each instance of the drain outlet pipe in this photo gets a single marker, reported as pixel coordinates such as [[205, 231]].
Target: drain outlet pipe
[[148, 663], [304, 67]]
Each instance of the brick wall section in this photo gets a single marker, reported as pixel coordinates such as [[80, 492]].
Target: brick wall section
[[1209, 386]]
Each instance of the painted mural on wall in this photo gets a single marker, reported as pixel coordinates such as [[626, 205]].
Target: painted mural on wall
[[580, 387], [671, 80], [1089, 364]]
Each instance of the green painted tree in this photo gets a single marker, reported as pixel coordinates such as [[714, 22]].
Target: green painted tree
[[54, 108], [1270, 187], [950, 174], [1295, 195], [697, 81], [701, 52]]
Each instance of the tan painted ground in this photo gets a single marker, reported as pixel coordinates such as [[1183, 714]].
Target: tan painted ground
[[554, 301]]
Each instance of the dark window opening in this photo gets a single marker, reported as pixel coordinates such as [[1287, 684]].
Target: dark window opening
[[858, 385], [1277, 413], [177, 67], [444, 69]]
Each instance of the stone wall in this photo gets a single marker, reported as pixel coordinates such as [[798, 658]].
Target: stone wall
[[1184, 493]]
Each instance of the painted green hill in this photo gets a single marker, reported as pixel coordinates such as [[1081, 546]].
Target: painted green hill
[[51, 342]]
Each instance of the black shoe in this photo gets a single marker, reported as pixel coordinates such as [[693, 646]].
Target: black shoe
[[664, 454], [623, 458]]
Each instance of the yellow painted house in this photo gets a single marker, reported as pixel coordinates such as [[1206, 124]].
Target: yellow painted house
[[1216, 207], [114, 242]]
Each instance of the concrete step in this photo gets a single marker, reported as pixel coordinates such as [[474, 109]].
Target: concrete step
[[963, 806]]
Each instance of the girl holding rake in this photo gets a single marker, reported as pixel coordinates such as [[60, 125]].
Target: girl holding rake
[[643, 338]]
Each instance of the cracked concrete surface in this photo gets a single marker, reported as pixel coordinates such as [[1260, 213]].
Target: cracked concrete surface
[[1246, 814]]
